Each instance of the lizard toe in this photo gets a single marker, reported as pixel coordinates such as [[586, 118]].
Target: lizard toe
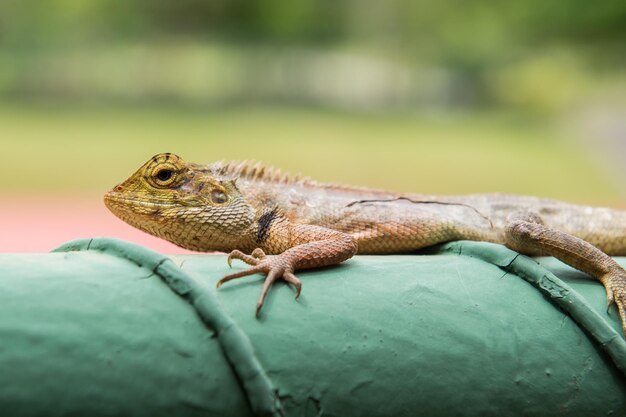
[[272, 276], [249, 259], [615, 285], [239, 274], [293, 280], [258, 253], [620, 302]]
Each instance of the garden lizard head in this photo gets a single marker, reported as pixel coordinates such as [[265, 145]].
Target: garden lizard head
[[186, 204]]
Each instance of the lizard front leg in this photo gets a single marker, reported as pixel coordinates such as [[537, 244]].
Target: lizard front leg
[[526, 233], [307, 247]]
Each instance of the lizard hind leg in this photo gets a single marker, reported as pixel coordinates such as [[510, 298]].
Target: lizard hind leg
[[526, 232]]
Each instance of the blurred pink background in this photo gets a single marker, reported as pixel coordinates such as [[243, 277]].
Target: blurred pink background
[[34, 224]]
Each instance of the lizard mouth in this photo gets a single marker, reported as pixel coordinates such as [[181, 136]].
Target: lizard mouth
[[112, 198], [131, 209]]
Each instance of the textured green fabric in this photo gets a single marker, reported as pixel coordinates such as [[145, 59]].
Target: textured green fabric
[[234, 343], [607, 334], [97, 330]]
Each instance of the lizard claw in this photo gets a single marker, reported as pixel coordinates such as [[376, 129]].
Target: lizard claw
[[621, 308], [292, 279], [239, 274], [616, 294], [276, 267], [234, 254], [258, 253], [610, 300], [253, 259]]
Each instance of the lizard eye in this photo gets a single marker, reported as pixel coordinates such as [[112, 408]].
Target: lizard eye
[[164, 176], [218, 197]]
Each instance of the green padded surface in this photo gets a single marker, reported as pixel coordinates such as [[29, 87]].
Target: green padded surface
[[97, 331], [87, 334]]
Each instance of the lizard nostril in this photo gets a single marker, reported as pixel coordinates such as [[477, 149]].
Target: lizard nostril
[[119, 188]]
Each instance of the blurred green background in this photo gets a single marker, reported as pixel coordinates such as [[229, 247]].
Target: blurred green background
[[411, 95]]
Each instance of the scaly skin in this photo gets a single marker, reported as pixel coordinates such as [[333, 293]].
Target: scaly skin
[[242, 208]]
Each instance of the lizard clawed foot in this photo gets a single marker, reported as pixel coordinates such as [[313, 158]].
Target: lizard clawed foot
[[276, 267], [615, 285]]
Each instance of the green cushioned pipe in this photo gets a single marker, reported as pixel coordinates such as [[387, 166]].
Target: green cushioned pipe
[[108, 328]]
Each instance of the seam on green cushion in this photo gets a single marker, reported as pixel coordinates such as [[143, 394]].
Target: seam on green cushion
[[234, 342], [550, 285]]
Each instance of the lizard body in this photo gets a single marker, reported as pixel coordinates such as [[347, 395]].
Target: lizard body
[[243, 208]]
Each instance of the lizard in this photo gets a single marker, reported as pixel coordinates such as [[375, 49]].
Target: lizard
[[279, 224]]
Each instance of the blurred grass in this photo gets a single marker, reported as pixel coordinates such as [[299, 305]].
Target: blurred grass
[[56, 149]]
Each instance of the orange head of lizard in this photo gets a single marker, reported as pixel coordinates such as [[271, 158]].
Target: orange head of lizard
[[183, 203]]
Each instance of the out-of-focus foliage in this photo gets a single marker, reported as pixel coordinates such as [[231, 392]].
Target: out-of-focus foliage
[[535, 54], [558, 63], [69, 149], [419, 24]]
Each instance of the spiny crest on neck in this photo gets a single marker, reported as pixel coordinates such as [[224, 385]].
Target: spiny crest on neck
[[257, 171]]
